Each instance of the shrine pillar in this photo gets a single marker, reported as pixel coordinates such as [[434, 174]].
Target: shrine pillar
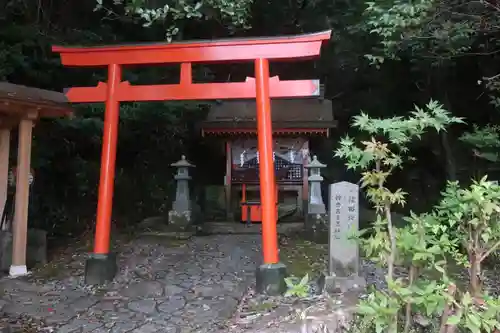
[[228, 180], [20, 225], [101, 266], [271, 274]]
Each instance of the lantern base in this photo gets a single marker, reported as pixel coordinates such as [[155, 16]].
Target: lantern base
[[180, 220]]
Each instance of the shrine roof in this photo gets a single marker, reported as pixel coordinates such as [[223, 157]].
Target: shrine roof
[[293, 115], [17, 101]]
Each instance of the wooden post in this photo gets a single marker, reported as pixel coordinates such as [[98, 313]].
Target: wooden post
[[20, 225], [266, 164], [108, 161], [305, 182], [228, 187], [4, 169]]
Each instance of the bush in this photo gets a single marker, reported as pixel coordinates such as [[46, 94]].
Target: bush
[[460, 232]]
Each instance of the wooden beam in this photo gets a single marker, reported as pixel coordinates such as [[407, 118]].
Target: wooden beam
[[20, 226], [229, 178], [230, 50], [305, 182], [4, 169], [125, 92], [22, 109]]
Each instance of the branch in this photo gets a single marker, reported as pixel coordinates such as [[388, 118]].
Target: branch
[[492, 77], [487, 253], [448, 310]]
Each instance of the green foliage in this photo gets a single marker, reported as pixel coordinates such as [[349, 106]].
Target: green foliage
[[176, 13], [299, 289], [425, 28], [389, 245], [391, 21], [492, 85], [473, 215], [475, 317], [485, 142], [381, 158], [431, 243]]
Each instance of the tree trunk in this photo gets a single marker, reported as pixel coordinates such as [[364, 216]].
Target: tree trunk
[[475, 276]]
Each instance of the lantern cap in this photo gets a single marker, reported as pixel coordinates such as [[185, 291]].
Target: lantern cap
[[182, 163], [315, 163]]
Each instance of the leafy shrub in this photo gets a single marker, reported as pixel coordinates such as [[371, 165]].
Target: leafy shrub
[[460, 232]]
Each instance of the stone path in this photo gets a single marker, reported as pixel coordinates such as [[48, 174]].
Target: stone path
[[162, 287]]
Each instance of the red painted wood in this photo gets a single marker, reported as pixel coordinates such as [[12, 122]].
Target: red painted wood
[[195, 91], [186, 74], [266, 165], [255, 213], [108, 161], [230, 50]]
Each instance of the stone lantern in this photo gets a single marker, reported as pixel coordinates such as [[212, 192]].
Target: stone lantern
[[316, 205], [181, 208]]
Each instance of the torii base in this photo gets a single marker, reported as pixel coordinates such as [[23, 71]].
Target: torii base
[[271, 279], [100, 268]]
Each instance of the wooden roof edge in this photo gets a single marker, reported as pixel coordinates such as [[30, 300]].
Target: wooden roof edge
[[297, 110], [17, 91], [18, 100], [289, 125], [306, 99], [18, 108], [277, 131]]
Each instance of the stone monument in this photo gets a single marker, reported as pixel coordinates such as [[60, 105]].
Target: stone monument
[[344, 261], [180, 216]]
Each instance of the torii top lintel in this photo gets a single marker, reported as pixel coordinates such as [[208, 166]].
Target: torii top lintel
[[227, 50]]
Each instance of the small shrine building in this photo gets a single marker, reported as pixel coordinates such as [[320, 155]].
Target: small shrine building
[[294, 122], [20, 109]]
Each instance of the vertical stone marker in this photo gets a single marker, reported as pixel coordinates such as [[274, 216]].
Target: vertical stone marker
[[344, 260]]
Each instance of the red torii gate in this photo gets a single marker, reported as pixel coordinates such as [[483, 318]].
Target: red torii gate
[[101, 266]]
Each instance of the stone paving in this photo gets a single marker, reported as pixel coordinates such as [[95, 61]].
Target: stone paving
[[190, 286]]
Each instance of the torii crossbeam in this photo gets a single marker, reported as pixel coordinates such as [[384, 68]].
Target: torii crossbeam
[[101, 266]]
